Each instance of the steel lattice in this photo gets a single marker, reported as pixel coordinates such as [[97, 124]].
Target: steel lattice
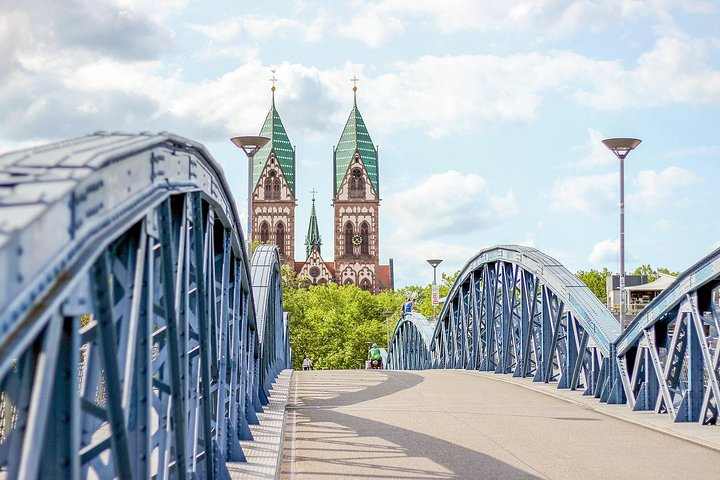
[[669, 357], [516, 310], [132, 344]]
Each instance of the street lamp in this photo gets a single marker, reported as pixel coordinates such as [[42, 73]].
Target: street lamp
[[250, 145], [621, 147], [435, 294]]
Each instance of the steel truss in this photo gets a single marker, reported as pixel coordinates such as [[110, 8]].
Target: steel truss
[[669, 357], [132, 344], [516, 310], [410, 344]]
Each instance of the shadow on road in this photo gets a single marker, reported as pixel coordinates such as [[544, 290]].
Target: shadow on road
[[327, 436]]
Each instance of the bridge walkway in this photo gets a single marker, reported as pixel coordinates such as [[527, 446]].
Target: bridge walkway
[[438, 424]]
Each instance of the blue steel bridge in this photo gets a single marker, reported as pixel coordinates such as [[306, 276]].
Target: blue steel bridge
[[139, 340]]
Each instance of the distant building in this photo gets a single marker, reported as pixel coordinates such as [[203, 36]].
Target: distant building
[[356, 203], [639, 291]]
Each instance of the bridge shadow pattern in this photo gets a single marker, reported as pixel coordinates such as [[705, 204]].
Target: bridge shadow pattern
[[330, 433]]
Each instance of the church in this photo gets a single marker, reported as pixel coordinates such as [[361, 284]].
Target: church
[[356, 202]]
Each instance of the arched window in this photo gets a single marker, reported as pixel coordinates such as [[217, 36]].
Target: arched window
[[365, 284], [280, 237], [264, 233], [365, 236], [348, 281], [357, 184], [348, 238], [272, 186]]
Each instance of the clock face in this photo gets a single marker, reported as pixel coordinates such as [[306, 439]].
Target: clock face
[[356, 240]]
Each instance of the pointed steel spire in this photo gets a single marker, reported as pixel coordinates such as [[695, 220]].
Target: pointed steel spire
[[312, 239], [355, 138], [274, 129]]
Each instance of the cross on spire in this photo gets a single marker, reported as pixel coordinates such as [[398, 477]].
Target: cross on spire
[[354, 80], [313, 192], [273, 79]]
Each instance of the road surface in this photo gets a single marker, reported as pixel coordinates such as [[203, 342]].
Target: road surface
[[441, 424]]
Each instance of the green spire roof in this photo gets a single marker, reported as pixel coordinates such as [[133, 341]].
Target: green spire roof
[[312, 239], [354, 137], [273, 129]]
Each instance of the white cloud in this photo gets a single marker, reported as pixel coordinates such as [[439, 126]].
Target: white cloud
[[382, 19], [257, 27], [675, 71], [599, 194], [447, 202], [441, 217], [606, 251], [588, 194], [409, 259], [662, 189], [596, 153]]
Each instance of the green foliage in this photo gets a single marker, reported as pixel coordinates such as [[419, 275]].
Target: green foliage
[[595, 280], [422, 295], [653, 274], [331, 323]]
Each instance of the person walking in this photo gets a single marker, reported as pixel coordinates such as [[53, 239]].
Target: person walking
[[307, 363], [408, 306]]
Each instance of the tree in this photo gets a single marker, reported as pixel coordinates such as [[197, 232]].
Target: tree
[[422, 295], [332, 323], [596, 281], [653, 274]]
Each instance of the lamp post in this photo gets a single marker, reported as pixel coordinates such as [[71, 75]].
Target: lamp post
[[621, 147], [435, 262], [250, 145]]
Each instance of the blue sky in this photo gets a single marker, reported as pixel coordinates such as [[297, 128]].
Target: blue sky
[[488, 114]]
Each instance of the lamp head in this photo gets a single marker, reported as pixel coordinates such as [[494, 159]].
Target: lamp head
[[621, 146], [434, 262], [250, 144]]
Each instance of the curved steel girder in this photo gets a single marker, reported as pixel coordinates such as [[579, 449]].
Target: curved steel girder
[[513, 309], [410, 343], [575, 295], [668, 357], [271, 321], [141, 232]]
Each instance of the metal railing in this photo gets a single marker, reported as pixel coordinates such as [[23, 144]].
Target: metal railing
[[139, 236]]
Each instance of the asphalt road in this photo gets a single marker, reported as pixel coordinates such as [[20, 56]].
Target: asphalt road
[[439, 424]]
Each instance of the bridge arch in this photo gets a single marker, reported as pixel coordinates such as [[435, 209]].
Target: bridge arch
[[668, 356], [410, 343], [514, 309], [132, 345]]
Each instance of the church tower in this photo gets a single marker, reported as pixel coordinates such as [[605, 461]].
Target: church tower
[[356, 201], [273, 198]]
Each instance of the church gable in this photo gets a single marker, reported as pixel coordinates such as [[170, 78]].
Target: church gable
[[357, 185], [315, 269], [272, 184]]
